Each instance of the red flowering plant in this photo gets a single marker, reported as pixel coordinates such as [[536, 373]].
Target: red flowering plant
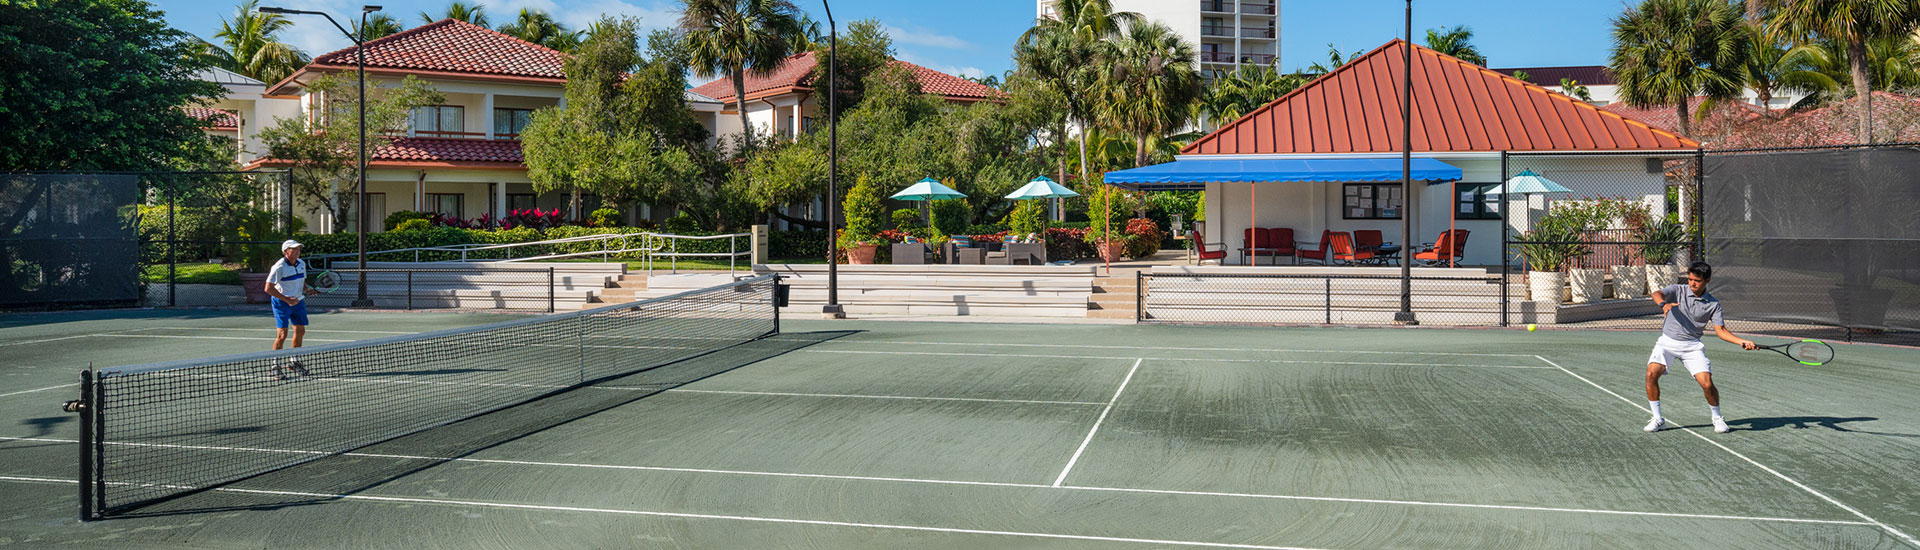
[[534, 218], [1146, 237]]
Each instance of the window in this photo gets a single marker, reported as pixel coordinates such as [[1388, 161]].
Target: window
[[444, 203], [519, 201], [376, 203], [440, 120], [1473, 203], [1372, 201], [509, 123]]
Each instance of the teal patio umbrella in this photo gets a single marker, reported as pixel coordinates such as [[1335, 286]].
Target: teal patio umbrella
[[1528, 183], [928, 190], [1042, 188]]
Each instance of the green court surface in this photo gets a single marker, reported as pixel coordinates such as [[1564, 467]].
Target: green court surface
[[858, 434]]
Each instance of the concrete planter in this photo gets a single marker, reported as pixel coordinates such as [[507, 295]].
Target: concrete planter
[[1629, 282], [255, 285], [1661, 276], [1546, 286], [1589, 285]]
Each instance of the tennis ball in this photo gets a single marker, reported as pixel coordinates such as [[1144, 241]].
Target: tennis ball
[[1530, 327]]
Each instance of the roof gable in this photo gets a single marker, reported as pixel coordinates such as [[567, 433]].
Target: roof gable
[[455, 46], [796, 73], [1457, 107]]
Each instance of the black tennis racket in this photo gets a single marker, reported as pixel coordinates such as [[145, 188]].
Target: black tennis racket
[[1805, 352]]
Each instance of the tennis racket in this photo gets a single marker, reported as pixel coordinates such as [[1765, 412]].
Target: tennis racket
[[324, 281], [1806, 352]]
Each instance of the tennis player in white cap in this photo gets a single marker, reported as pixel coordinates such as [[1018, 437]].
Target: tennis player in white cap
[[286, 282]]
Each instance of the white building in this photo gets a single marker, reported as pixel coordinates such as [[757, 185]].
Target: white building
[[1603, 90], [1227, 32]]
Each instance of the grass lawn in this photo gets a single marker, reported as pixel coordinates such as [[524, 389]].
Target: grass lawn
[[195, 274]]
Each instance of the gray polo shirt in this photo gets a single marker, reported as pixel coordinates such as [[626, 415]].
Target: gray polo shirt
[[1688, 320]]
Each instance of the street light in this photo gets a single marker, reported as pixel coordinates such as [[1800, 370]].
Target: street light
[[360, 59], [832, 309], [1405, 315]]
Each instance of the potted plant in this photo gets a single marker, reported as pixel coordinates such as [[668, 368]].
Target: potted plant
[[1105, 228], [861, 249], [865, 214], [1664, 241], [1549, 250]]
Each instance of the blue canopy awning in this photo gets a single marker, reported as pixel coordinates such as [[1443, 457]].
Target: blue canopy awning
[[1194, 174]]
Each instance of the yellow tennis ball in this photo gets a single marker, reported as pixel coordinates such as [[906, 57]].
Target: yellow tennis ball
[[1530, 327]]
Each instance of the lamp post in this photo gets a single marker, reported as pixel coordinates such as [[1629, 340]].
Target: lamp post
[[1405, 315], [833, 309], [360, 59]]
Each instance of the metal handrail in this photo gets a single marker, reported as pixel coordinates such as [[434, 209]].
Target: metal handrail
[[651, 245]]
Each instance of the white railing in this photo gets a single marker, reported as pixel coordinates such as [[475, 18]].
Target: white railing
[[646, 245]]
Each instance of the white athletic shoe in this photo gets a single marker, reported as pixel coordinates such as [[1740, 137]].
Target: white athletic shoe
[[1720, 425], [1656, 425]]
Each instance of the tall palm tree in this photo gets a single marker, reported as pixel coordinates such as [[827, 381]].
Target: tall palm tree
[[1891, 63], [471, 13], [1043, 64], [1772, 67], [807, 35], [1667, 51], [378, 25], [1079, 27], [1457, 42], [1852, 23], [1150, 89], [1242, 91], [737, 38], [253, 46], [1334, 60], [540, 28]]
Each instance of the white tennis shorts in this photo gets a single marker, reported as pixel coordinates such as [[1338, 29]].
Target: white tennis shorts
[[1692, 354]]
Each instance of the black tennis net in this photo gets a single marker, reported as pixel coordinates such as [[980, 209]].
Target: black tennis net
[[159, 431]]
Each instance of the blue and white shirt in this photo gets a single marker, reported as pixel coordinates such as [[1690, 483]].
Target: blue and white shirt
[[290, 279]]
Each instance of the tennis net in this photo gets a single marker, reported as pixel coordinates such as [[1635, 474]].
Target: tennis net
[[159, 431]]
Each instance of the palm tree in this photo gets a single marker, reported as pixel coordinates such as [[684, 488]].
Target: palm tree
[[1457, 42], [1890, 63], [378, 25], [1852, 23], [807, 35], [1334, 60], [253, 45], [1668, 51], [1043, 63], [1242, 91], [471, 13], [1150, 89], [1773, 67], [738, 37], [1078, 28], [537, 27]]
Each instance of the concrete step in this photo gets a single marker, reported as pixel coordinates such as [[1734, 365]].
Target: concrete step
[[1110, 314]]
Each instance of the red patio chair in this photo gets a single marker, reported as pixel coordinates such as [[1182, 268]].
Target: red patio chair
[[1319, 255], [1200, 247], [1369, 240], [1343, 250], [1450, 246]]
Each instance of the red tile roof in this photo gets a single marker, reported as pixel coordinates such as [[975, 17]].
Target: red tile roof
[[796, 74], [1665, 117], [436, 153], [221, 119], [1458, 107], [455, 46], [1896, 119]]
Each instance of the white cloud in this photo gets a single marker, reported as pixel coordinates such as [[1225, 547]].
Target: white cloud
[[926, 38], [969, 72], [312, 33]]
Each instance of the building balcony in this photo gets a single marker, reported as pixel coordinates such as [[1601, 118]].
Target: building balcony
[[1229, 58], [1216, 6], [1259, 33], [1258, 9], [1219, 31]]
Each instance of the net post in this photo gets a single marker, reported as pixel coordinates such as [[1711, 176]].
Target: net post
[[96, 397], [778, 291], [85, 408], [550, 289], [1139, 296]]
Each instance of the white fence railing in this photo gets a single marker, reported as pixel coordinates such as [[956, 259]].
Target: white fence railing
[[647, 246]]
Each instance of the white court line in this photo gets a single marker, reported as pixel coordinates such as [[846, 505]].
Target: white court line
[[50, 339], [1194, 359], [309, 329], [40, 389], [682, 515], [903, 397], [995, 484], [1096, 423], [1177, 348], [1776, 473]]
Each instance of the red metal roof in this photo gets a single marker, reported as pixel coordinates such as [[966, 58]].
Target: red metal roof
[[1457, 107], [221, 119], [796, 74], [455, 46]]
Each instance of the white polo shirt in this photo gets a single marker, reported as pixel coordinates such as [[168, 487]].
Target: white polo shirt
[[291, 280]]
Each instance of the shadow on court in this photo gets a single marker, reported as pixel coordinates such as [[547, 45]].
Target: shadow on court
[[1804, 422], [328, 479]]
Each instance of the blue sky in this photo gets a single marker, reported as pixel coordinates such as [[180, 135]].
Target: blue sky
[[975, 37]]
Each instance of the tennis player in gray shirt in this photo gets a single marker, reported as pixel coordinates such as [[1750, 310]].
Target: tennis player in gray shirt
[[1689, 308]]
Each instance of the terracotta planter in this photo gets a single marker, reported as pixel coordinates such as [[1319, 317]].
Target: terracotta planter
[[1546, 286], [1587, 284], [1111, 251], [862, 254], [1662, 276], [1629, 282], [255, 284]]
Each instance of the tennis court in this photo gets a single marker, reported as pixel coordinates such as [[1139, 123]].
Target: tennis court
[[961, 435]]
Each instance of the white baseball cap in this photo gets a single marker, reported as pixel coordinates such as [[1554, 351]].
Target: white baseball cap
[[289, 244]]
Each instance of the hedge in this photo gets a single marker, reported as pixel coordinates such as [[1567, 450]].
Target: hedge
[[189, 224], [782, 244]]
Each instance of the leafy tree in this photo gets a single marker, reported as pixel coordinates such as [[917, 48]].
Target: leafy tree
[[1523, 76], [1457, 42], [1772, 67], [1065, 51], [737, 38], [253, 45], [95, 86], [1668, 51], [1853, 24], [1244, 90], [540, 28], [471, 13], [807, 35], [1573, 88], [378, 26], [1152, 86], [1043, 77], [324, 154], [1334, 60], [865, 48], [1824, 66]]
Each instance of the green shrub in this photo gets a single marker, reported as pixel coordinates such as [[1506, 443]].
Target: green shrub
[[904, 219], [950, 216], [189, 224], [413, 225], [985, 229], [680, 224], [864, 211], [394, 220], [1146, 236], [605, 217]]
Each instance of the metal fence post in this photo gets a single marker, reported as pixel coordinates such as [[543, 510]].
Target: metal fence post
[[173, 241], [550, 291], [1505, 253], [409, 290], [1329, 299], [1139, 296]]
